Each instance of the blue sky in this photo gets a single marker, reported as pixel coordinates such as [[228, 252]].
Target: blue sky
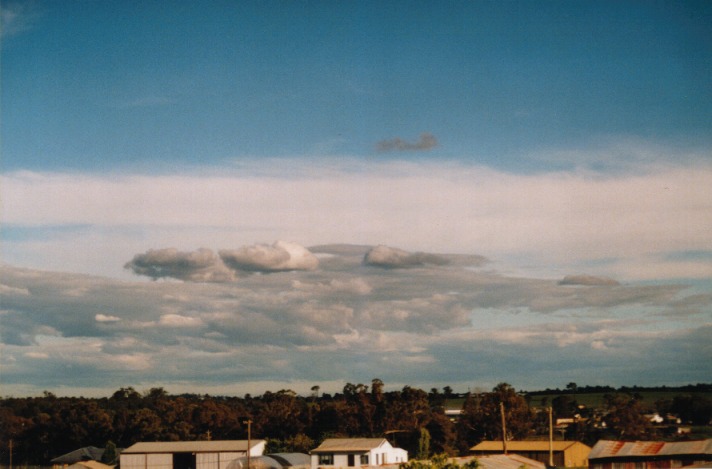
[[114, 84], [231, 150]]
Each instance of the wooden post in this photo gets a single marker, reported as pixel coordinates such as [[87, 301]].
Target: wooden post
[[10, 453], [551, 437], [249, 438], [504, 428]]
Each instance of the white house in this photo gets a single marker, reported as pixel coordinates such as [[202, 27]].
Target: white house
[[351, 452], [188, 454]]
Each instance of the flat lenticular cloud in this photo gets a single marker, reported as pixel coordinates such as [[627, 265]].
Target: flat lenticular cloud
[[393, 258], [426, 142], [280, 256], [589, 280]]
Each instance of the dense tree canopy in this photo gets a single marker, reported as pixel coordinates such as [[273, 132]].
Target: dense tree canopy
[[45, 427]]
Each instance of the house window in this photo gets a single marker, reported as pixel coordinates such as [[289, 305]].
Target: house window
[[326, 459], [364, 459]]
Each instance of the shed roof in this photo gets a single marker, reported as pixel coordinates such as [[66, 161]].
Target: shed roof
[[88, 453], [525, 445], [502, 461], [331, 445], [215, 446], [620, 449], [273, 461]]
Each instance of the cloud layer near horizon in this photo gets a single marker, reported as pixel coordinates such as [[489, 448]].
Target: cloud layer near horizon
[[647, 225], [453, 323], [447, 273]]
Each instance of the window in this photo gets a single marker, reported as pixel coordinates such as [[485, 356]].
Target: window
[[364, 459], [326, 459]]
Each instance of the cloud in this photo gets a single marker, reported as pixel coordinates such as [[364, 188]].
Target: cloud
[[198, 266], [16, 18], [279, 257], [341, 321], [392, 258], [176, 320], [555, 221], [427, 141], [106, 318], [588, 280]]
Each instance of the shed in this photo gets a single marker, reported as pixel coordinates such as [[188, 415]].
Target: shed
[[650, 454], [349, 452], [273, 461], [88, 453], [188, 454], [566, 453]]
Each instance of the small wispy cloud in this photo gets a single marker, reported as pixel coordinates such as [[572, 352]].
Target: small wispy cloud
[[106, 318], [427, 141], [588, 280], [16, 18]]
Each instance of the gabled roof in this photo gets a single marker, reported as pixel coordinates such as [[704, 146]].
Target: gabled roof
[[335, 445], [88, 453], [620, 449], [190, 446], [508, 461], [525, 445]]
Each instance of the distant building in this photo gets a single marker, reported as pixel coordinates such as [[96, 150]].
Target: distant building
[[273, 461], [566, 453], [503, 461], [88, 453], [350, 452], [607, 454], [188, 454]]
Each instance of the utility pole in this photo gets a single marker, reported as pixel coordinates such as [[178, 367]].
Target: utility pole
[[504, 428], [551, 438], [249, 438]]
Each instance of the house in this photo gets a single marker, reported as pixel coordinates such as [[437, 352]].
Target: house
[[565, 453], [188, 454], [88, 453], [607, 454], [350, 452]]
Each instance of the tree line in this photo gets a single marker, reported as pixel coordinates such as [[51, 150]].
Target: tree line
[[42, 428]]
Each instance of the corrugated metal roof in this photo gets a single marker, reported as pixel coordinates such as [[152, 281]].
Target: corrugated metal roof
[[331, 445], [88, 453], [190, 446], [273, 461], [612, 449], [524, 445], [503, 461]]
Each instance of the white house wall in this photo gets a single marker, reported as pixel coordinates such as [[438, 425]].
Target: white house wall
[[258, 449], [376, 457]]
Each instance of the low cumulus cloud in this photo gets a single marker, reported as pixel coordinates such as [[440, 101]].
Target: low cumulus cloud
[[394, 258], [588, 280], [437, 322], [278, 257], [204, 266], [197, 266], [427, 141]]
